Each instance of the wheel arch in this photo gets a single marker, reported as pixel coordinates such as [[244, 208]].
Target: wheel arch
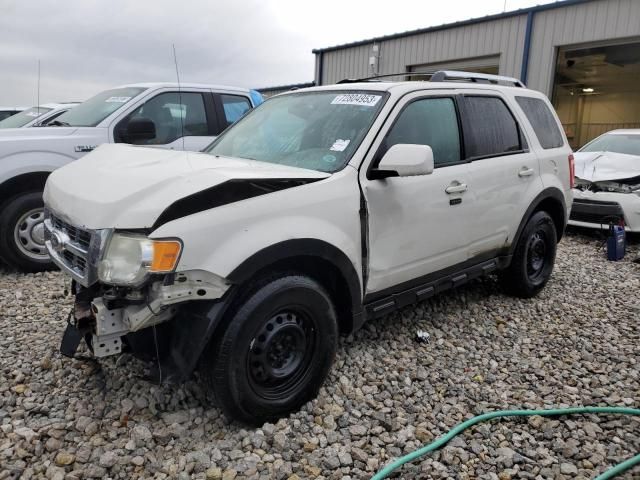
[[550, 200], [25, 182], [319, 260]]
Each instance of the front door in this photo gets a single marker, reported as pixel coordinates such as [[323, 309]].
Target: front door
[[418, 225]]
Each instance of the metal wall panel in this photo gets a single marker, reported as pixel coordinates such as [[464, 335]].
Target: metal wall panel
[[577, 23], [603, 20], [503, 37]]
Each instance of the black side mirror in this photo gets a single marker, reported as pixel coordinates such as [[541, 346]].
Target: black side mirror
[[140, 128]]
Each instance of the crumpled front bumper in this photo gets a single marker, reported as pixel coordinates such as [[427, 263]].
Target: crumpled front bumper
[[599, 209]]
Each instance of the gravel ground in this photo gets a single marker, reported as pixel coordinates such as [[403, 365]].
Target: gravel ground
[[576, 344]]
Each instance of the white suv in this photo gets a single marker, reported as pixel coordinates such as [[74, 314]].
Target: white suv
[[321, 209], [162, 115]]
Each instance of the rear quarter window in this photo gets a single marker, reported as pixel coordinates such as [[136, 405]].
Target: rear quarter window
[[542, 120]]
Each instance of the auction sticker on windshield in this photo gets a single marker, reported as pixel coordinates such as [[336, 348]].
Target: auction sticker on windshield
[[364, 99], [117, 99]]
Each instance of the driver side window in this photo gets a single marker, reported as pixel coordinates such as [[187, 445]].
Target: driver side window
[[174, 115], [429, 121]]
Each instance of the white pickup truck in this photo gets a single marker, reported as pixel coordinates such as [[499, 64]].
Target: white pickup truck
[[165, 115]]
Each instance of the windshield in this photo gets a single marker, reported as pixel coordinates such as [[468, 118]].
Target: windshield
[[614, 142], [96, 109], [314, 130], [24, 117]]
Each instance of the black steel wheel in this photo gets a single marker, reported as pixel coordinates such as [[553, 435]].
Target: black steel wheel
[[533, 258], [276, 349]]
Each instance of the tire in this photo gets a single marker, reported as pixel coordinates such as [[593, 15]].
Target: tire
[[533, 259], [275, 352], [22, 233]]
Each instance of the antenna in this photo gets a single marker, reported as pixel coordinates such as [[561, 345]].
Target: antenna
[[175, 61], [38, 93]]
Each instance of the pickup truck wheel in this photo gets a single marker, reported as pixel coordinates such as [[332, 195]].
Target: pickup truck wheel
[[22, 233], [275, 352], [533, 259]]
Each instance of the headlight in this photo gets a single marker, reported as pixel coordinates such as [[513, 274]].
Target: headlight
[[131, 258]]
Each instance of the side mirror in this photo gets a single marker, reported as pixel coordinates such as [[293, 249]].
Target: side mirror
[[404, 160], [140, 128]]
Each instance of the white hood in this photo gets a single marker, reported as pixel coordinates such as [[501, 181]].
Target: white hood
[[603, 166], [121, 186]]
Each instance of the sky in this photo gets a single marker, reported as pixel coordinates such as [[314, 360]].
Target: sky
[[85, 46]]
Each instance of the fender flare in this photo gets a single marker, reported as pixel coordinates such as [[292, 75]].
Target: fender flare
[[302, 247], [552, 193]]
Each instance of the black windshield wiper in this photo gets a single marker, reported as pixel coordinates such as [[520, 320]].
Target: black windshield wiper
[[58, 123]]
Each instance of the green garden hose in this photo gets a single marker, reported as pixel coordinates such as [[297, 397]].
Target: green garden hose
[[442, 441]]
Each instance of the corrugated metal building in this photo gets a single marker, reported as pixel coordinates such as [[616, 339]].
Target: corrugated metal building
[[584, 54]]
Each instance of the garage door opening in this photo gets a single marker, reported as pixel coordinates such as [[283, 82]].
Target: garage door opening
[[597, 89]]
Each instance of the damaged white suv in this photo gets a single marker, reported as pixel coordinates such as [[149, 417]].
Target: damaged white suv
[[319, 210]]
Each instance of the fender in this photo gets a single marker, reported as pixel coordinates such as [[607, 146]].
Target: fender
[[549, 193], [34, 161], [302, 247]]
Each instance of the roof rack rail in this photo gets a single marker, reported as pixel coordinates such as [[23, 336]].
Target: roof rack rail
[[387, 75], [445, 75]]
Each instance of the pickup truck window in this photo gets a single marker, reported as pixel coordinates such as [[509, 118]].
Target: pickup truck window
[[99, 107], [24, 117], [172, 112], [313, 130], [234, 107]]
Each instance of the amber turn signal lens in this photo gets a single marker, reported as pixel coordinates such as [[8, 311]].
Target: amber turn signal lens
[[165, 255]]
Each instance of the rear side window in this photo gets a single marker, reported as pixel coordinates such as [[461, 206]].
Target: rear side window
[[430, 121], [542, 121], [489, 128], [234, 107]]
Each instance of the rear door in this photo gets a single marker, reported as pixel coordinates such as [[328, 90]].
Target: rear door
[[504, 171], [230, 108], [417, 225]]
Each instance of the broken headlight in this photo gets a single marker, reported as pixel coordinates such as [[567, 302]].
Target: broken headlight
[[131, 258]]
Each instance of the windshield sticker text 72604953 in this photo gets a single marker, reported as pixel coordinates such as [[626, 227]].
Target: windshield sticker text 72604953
[[117, 99], [364, 99]]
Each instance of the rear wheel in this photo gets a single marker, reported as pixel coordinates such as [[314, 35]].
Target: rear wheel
[[275, 351], [22, 233], [533, 259]]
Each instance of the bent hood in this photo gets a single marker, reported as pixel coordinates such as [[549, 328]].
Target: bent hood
[[118, 186], [603, 166]]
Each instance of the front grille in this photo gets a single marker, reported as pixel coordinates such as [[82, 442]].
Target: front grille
[[74, 249], [77, 235]]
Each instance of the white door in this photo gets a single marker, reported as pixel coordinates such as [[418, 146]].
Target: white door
[[418, 225], [503, 171]]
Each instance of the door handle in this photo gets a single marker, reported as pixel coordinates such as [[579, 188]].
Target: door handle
[[456, 188], [525, 172]]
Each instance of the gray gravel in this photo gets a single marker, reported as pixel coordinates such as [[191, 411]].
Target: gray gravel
[[576, 344]]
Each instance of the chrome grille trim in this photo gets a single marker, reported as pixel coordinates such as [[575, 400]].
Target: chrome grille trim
[[82, 249]]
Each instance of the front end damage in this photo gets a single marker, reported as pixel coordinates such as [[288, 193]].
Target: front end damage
[[169, 317]]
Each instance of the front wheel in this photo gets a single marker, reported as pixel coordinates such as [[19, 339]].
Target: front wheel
[[533, 259], [22, 233], [275, 352]]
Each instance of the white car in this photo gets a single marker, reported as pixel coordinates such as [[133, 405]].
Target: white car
[[607, 184], [319, 210], [6, 112], [38, 116], [162, 115]]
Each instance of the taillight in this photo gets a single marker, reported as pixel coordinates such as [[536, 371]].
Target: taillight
[[572, 171]]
